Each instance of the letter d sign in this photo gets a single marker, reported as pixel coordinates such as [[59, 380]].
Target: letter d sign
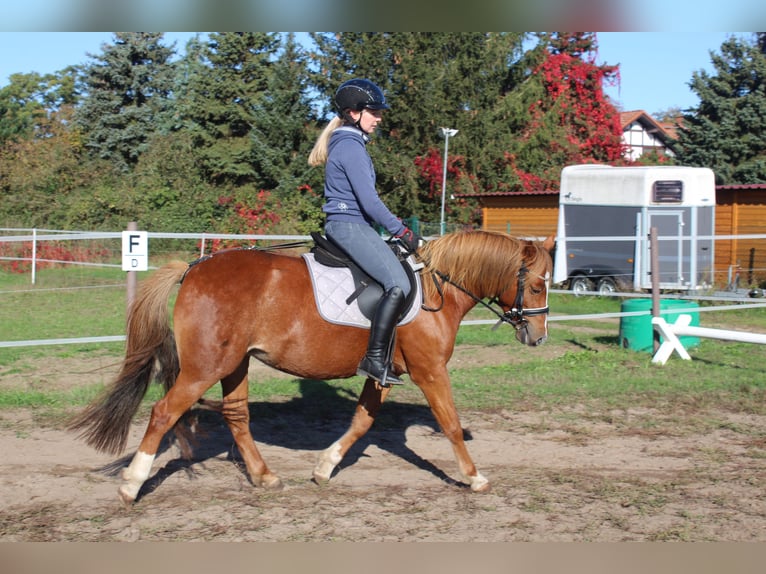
[[135, 251]]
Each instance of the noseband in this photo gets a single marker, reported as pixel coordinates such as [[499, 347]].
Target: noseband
[[515, 316]]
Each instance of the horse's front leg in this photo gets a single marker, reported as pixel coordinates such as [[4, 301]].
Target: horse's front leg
[[366, 410], [436, 387]]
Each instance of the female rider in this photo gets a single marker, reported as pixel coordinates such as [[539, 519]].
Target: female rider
[[352, 206]]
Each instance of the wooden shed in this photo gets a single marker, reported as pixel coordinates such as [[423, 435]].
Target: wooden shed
[[740, 210], [523, 214]]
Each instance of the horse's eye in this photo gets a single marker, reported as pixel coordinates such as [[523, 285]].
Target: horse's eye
[[536, 290]]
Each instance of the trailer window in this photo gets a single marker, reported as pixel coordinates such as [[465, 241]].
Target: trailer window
[[668, 191]]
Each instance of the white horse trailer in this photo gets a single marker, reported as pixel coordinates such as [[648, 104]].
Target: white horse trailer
[[605, 217]]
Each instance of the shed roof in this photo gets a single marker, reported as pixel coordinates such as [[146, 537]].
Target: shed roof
[[741, 186], [508, 193]]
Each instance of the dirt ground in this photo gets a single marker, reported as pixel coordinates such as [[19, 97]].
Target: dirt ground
[[556, 476]]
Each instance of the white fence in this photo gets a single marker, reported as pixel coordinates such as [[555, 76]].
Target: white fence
[[201, 243], [731, 275], [671, 332], [35, 237]]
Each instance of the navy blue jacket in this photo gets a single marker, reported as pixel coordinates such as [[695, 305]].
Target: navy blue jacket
[[349, 188]]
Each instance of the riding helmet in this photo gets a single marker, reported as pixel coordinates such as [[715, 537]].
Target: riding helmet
[[358, 94]]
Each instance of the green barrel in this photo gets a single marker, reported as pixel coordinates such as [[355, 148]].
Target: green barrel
[[637, 333]]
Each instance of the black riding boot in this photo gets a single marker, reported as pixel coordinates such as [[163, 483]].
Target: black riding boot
[[377, 362]]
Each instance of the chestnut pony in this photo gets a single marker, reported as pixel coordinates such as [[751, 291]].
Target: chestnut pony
[[246, 303]]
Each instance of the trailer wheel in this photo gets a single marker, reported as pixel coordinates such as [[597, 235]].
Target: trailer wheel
[[606, 286], [580, 284]]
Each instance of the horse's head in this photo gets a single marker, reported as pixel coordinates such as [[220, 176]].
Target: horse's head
[[512, 272], [525, 302]]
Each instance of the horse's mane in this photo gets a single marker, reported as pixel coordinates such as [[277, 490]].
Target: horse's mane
[[483, 262]]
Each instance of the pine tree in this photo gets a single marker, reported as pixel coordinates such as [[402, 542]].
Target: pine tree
[[432, 80], [226, 86], [279, 138], [725, 131], [127, 91], [282, 137]]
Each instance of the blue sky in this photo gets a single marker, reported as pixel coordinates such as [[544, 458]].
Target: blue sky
[[655, 67]]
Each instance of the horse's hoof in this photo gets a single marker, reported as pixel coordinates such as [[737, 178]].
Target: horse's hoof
[[479, 483], [272, 482], [126, 498], [320, 478]]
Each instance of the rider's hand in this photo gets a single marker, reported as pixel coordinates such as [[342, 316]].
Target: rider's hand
[[410, 240]]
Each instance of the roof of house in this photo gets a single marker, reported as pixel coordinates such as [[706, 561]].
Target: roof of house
[[663, 130]]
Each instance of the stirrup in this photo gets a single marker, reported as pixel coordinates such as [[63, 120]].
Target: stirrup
[[387, 379], [391, 379]]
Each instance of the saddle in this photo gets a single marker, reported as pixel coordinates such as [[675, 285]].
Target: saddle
[[339, 282]]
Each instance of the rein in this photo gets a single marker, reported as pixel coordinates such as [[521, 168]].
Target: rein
[[276, 247], [515, 316]]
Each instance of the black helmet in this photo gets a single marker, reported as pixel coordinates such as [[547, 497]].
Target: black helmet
[[359, 94]]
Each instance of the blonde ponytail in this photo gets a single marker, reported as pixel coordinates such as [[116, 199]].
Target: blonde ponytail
[[318, 155]]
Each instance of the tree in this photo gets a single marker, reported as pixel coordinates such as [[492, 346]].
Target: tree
[[280, 117], [40, 176], [560, 113], [127, 94], [28, 99], [227, 83], [432, 80], [725, 131], [282, 137]]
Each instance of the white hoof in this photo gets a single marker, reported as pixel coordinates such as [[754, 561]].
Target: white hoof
[[272, 482], [127, 495], [328, 460], [134, 476], [479, 483]]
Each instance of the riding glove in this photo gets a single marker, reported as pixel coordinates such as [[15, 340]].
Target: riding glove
[[410, 240]]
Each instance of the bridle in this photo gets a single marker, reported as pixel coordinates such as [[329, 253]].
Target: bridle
[[516, 315]]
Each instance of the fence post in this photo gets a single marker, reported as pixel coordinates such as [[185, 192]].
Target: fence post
[[132, 280], [34, 254], [655, 268]]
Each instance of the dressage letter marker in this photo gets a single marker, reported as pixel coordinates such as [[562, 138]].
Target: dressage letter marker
[[135, 251]]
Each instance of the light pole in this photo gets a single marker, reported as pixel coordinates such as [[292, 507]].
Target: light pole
[[447, 132]]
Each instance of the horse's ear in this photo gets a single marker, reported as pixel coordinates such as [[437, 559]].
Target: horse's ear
[[549, 242]]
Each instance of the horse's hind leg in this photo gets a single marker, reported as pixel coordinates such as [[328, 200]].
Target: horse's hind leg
[[237, 415], [165, 413], [366, 410]]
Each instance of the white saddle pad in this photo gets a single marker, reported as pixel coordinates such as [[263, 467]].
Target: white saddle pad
[[333, 285]]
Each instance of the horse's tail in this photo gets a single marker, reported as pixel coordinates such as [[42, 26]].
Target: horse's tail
[[150, 354]]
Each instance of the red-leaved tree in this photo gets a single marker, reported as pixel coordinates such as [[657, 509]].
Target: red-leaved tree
[[248, 214], [571, 120]]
